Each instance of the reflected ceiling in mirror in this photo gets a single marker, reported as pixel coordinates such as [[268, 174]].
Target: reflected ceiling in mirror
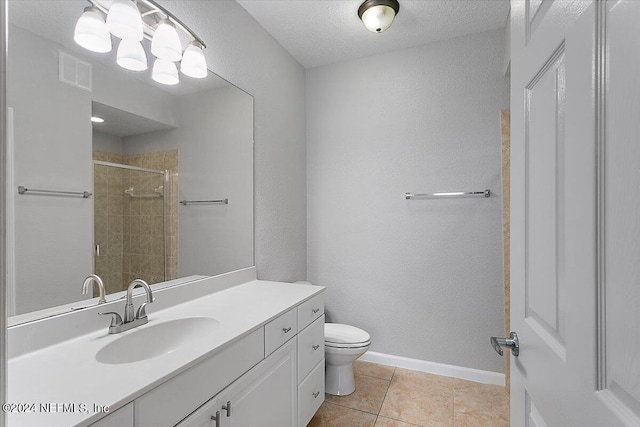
[[155, 145]]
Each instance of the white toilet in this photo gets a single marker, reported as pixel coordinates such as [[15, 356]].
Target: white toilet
[[343, 344]]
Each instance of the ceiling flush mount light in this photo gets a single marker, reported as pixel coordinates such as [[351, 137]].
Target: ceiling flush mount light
[[91, 31], [134, 20], [378, 15], [96, 119]]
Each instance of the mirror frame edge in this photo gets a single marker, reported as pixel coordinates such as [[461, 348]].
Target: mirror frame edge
[[3, 247]]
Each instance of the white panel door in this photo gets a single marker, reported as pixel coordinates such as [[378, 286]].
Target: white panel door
[[575, 206]]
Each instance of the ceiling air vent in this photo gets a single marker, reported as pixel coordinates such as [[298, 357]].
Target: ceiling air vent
[[75, 72]]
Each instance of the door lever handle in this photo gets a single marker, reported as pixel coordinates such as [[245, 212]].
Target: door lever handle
[[512, 342]]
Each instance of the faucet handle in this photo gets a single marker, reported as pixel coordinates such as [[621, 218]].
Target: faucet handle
[[116, 319], [142, 312]]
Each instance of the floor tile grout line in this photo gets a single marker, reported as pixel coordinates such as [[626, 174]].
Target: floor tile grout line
[[373, 376], [385, 395], [349, 407]]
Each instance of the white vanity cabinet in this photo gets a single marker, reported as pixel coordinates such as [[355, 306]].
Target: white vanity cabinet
[[272, 377], [170, 402], [266, 396], [310, 358]]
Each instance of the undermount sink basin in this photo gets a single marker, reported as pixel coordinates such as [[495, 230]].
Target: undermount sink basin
[[149, 341]]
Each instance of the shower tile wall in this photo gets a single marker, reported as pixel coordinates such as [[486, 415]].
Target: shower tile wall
[[135, 246]]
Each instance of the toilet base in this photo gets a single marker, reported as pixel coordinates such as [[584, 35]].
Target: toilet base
[[339, 379]]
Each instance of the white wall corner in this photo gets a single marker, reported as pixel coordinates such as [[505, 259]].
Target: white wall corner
[[507, 46]]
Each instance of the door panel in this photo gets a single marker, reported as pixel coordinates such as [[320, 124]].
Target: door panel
[[575, 212], [545, 97]]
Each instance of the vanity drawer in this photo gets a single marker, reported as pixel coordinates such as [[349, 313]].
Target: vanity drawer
[[311, 394], [310, 310], [168, 403], [310, 347], [279, 331]]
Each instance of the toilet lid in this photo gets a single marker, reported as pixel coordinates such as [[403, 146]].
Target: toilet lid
[[338, 333]]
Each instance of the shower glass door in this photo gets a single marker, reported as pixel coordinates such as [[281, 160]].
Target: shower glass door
[[129, 224]]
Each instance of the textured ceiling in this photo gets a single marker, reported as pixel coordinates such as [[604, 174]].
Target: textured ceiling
[[321, 32]]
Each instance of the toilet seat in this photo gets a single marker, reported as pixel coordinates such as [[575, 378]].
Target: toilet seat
[[337, 335], [347, 346]]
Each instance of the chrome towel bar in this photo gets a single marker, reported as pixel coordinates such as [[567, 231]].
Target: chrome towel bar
[[196, 202], [411, 196], [24, 190]]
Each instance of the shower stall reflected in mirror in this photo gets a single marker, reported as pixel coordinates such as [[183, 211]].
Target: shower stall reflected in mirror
[[132, 225]]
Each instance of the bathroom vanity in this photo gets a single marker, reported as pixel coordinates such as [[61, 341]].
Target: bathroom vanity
[[249, 353]]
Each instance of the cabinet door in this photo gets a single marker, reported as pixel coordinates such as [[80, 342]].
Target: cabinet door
[[205, 416], [266, 396]]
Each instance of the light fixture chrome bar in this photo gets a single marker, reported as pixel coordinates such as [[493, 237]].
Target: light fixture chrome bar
[[24, 190], [175, 20], [214, 202], [410, 196], [157, 8]]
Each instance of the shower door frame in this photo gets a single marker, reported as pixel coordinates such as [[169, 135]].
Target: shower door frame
[[165, 206]]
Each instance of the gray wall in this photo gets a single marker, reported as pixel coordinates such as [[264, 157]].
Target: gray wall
[[106, 142], [241, 51], [423, 277], [54, 235], [214, 140]]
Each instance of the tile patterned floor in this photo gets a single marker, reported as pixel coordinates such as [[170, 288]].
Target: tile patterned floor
[[394, 397]]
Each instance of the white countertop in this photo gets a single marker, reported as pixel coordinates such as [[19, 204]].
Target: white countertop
[[68, 373]]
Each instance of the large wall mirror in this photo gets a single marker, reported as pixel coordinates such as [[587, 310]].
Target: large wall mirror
[[169, 169]]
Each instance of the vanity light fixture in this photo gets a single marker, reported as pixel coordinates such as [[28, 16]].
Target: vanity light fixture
[[165, 72], [378, 15], [91, 31], [124, 21], [134, 20], [193, 62], [131, 55], [165, 43], [96, 119]]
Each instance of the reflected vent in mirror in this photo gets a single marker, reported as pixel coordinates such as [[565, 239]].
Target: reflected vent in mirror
[[75, 72]]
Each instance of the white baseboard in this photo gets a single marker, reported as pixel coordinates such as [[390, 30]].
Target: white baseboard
[[469, 374]]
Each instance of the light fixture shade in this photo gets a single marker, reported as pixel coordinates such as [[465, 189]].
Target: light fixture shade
[[165, 43], [131, 55], [124, 20], [378, 15], [91, 32], [193, 62], [165, 72]]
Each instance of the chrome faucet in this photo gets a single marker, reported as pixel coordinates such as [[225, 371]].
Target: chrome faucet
[[128, 309], [130, 320], [94, 278]]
